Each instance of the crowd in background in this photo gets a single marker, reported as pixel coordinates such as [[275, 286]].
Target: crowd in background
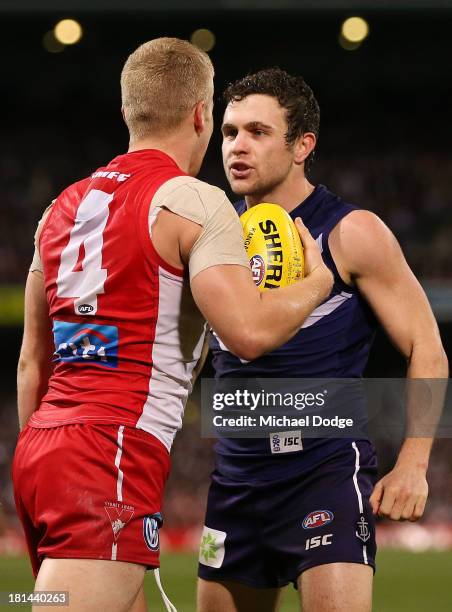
[[411, 194]]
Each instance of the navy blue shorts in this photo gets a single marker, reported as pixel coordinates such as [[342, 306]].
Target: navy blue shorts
[[266, 534]]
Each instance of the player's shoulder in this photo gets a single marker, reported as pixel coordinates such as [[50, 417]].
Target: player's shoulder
[[188, 196], [363, 226], [191, 188], [75, 188], [364, 241]]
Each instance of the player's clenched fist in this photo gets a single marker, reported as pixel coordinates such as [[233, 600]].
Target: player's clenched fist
[[401, 494]]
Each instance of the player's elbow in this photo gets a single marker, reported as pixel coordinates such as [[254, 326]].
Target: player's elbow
[[433, 355], [23, 364], [33, 364], [443, 363], [438, 361], [251, 345]]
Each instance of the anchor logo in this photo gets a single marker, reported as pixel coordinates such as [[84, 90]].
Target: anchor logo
[[363, 532]]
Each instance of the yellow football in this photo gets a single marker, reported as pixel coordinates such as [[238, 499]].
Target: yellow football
[[273, 246]]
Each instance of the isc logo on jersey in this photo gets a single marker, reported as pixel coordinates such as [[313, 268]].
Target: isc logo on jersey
[[273, 246], [318, 518], [286, 442]]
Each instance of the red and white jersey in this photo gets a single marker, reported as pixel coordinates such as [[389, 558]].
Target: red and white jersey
[[127, 331]]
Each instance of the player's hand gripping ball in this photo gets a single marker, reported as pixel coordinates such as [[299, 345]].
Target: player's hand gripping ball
[[273, 245]]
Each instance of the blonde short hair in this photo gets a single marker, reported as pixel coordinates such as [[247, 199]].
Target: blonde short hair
[[161, 82]]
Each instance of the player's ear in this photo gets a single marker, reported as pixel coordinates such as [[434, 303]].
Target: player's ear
[[199, 119], [304, 145]]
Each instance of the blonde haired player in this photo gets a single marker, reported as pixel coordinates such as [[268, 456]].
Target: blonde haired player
[[129, 263]]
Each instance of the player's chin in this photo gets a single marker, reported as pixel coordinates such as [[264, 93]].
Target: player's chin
[[241, 187]]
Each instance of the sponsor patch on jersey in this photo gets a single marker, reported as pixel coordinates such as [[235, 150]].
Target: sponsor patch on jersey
[[86, 343], [318, 518], [119, 515], [151, 524], [211, 550], [257, 266], [286, 442]]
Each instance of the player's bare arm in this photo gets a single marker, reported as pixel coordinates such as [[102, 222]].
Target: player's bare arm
[[369, 256], [35, 364], [231, 302]]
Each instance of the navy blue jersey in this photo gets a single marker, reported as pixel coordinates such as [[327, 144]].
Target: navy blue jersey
[[334, 342]]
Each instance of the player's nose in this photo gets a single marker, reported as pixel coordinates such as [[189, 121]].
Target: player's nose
[[240, 144]]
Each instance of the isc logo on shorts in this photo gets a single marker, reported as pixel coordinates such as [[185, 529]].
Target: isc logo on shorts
[[318, 518], [286, 442], [151, 526], [318, 541]]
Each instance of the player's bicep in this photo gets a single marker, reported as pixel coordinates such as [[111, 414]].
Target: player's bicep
[[173, 236], [225, 294], [37, 342], [400, 305], [387, 283]]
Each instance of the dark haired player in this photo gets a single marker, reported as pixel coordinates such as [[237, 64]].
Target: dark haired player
[[262, 505]]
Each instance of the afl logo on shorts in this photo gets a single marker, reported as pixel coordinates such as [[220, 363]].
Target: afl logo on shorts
[[151, 526], [257, 265], [318, 518]]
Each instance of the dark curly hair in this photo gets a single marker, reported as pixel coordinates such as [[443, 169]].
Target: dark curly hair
[[292, 93]]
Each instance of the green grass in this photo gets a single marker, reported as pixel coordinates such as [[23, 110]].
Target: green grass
[[405, 582]]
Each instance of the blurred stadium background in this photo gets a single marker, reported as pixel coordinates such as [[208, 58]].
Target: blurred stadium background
[[385, 143]]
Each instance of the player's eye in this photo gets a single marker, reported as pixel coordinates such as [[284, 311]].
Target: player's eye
[[229, 134]]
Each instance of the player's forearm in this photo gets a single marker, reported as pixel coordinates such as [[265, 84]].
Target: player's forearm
[[32, 383], [281, 313], [428, 359], [427, 375], [415, 453]]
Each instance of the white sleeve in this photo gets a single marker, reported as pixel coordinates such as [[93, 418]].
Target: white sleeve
[[221, 239]]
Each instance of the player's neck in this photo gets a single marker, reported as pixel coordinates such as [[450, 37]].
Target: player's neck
[[288, 195], [174, 146]]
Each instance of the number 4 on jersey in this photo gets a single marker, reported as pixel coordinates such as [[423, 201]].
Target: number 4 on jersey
[[85, 285]]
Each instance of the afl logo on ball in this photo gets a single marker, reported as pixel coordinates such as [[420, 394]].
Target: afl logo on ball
[[258, 269], [318, 518], [151, 526]]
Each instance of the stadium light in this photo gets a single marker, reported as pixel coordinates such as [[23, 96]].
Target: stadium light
[[203, 39], [354, 31], [51, 44], [68, 31]]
